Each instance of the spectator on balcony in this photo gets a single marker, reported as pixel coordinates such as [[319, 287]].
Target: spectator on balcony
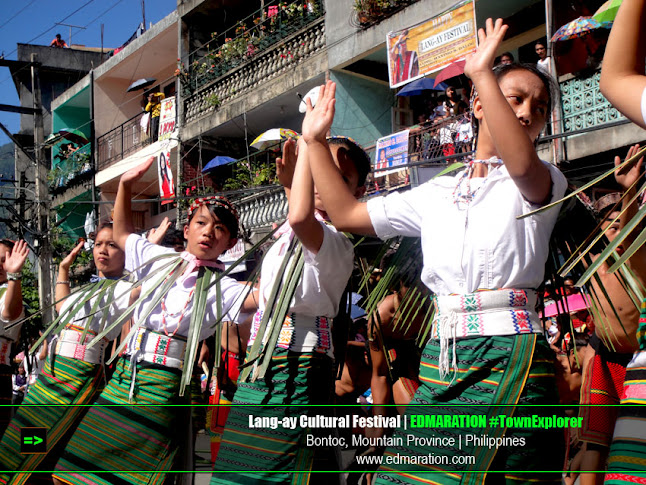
[[58, 42], [505, 58], [543, 58], [453, 105], [154, 108]]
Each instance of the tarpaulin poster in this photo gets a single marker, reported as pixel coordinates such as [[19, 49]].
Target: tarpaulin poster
[[166, 186], [167, 118], [391, 151], [431, 46]]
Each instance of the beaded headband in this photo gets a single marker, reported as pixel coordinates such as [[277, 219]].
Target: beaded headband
[[216, 200]]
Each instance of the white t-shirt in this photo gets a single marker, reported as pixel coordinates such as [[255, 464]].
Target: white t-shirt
[[121, 298], [14, 332], [325, 276], [480, 246], [138, 251]]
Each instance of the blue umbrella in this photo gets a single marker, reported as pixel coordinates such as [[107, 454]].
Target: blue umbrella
[[422, 84], [217, 161]]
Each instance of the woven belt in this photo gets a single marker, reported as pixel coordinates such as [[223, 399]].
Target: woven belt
[[69, 345], [482, 314], [5, 351], [157, 348]]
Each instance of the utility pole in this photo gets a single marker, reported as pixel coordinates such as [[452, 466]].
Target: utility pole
[[42, 201]]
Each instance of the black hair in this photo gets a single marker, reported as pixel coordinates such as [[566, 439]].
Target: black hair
[[8, 243], [540, 42], [105, 225], [507, 54], [225, 216], [172, 237], [502, 70], [357, 154]]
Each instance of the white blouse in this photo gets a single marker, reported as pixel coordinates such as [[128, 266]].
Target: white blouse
[[14, 332], [318, 294], [138, 251], [473, 246]]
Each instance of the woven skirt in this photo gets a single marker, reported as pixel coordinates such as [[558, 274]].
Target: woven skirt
[[493, 371], [122, 442], [5, 396], [265, 455], [54, 402], [627, 457]]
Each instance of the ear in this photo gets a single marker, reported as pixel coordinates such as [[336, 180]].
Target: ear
[[186, 232], [359, 192], [232, 242], [477, 108]]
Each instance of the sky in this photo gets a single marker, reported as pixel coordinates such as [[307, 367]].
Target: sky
[[34, 22]]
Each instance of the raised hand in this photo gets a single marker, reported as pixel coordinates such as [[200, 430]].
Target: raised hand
[[15, 260], [628, 176], [156, 234], [488, 43], [71, 257], [318, 119], [286, 164], [136, 173]]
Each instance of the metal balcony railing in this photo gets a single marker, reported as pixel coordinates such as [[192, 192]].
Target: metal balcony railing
[[76, 167], [121, 141], [246, 39]]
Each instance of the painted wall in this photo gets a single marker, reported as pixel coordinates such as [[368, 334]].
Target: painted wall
[[363, 108]]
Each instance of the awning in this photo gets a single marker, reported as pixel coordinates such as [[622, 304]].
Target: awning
[[118, 169]]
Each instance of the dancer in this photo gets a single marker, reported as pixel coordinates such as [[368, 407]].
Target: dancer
[[145, 438], [301, 370], [73, 375], [624, 84], [12, 259], [472, 241]]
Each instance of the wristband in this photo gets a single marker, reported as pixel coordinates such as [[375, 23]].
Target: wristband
[[14, 276], [62, 282]]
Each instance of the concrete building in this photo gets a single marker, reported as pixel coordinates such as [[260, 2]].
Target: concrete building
[[101, 103]]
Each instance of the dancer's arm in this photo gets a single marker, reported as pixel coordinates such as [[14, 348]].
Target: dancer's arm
[[622, 74], [13, 263]]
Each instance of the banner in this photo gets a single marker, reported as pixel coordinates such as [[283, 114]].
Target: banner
[[391, 151], [432, 45], [167, 118], [166, 186]]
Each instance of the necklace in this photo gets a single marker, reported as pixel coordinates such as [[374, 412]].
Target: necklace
[[463, 192], [181, 313]]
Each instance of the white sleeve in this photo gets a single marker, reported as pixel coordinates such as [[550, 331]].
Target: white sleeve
[[120, 303], [13, 333], [139, 250], [396, 214], [325, 275], [233, 296]]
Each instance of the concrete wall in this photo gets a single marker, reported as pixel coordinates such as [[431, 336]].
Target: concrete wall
[[347, 43], [363, 108]]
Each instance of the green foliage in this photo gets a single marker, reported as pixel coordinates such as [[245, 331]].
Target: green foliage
[[214, 100], [255, 174]]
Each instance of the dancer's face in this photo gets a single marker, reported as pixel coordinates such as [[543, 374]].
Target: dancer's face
[[207, 237], [108, 258]]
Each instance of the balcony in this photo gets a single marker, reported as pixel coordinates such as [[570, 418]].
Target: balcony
[[583, 104], [121, 142], [71, 171], [261, 47], [371, 12]]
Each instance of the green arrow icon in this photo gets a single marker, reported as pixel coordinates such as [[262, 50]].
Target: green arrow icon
[[33, 440]]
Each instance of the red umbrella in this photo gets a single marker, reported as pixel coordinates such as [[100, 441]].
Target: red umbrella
[[454, 69]]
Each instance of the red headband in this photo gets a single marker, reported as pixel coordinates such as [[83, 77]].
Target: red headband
[[216, 200]]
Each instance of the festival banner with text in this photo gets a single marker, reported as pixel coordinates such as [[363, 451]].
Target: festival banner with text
[[390, 152], [431, 46], [167, 118]]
